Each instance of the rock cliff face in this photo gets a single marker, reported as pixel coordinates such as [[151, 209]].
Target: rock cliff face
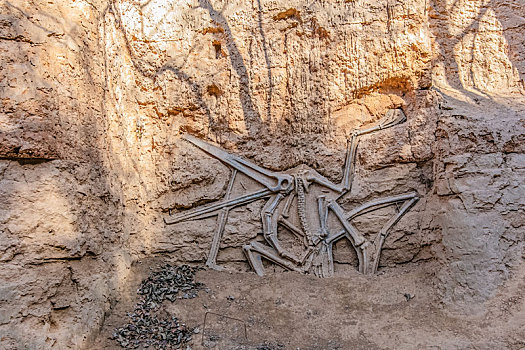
[[95, 96]]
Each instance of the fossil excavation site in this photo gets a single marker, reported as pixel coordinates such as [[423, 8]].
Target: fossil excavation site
[[283, 189], [262, 175]]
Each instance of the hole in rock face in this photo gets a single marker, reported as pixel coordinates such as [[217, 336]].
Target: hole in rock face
[[218, 48], [214, 90]]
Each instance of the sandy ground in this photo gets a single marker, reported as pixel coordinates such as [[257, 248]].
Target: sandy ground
[[396, 309]]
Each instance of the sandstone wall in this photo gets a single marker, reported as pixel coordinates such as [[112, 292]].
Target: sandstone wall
[[95, 96], [479, 70], [61, 234], [280, 85]]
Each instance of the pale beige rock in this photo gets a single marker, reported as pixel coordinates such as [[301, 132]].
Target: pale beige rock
[[95, 95]]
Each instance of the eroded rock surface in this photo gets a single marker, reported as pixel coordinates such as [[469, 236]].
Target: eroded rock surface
[[95, 95]]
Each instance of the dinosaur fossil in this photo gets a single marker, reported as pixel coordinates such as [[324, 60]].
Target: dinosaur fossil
[[318, 220]]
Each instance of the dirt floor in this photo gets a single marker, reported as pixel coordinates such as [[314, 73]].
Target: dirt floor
[[396, 309]]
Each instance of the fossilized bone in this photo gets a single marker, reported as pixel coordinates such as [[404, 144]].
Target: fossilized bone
[[221, 223], [315, 198]]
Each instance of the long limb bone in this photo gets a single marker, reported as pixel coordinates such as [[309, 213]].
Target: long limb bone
[[296, 231], [323, 215], [408, 199], [358, 241], [355, 237], [269, 220], [211, 210], [275, 182], [211, 262], [348, 173], [380, 203], [391, 118], [255, 251], [386, 228], [287, 205]]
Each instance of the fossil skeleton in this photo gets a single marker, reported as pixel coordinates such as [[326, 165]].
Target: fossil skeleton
[[317, 211]]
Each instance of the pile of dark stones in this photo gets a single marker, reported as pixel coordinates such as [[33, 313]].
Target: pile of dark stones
[[168, 283], [146, 328]]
